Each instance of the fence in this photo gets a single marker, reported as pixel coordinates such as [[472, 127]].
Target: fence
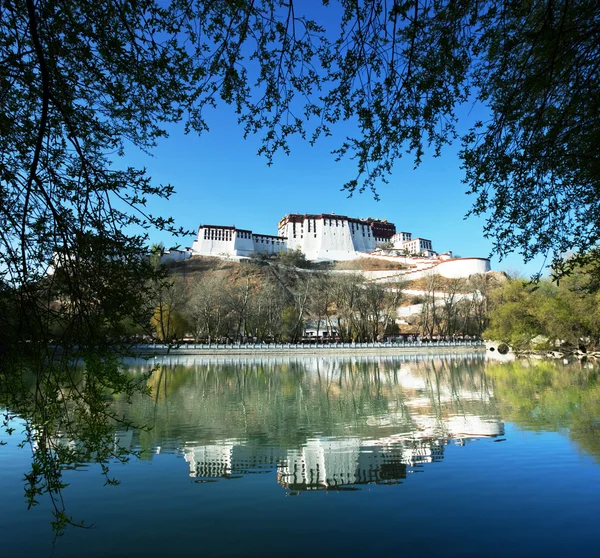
[[309, 346]]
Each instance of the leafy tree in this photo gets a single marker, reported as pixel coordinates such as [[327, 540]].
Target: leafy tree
[[566, 311], [293, 258], [289, 324], [169, 298], [82, 82], [513, 317]]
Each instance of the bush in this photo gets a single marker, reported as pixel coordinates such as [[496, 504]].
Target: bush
[[293, 258]]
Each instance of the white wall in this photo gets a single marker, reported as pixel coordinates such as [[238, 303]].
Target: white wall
[[463, 267], [268, 244], [241, 243], [329, 238], [208, 247]]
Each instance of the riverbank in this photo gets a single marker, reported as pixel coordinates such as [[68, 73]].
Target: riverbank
[[305, 349]]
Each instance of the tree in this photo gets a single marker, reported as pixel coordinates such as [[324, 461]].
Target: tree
[[450, 312], [429, 319], [168, 318], [562, 312], [293, 258], [482, 286], [207, 308], [320, 301], [513, 317]]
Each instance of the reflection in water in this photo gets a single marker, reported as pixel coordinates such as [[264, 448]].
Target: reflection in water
[[547, 395], [228, 438], [322, 423]]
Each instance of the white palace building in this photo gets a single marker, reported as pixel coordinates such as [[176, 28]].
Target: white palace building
[[334, 237], [320, 237], [329, 237]]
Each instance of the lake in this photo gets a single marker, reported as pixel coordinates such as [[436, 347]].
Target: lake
[[353, 456]]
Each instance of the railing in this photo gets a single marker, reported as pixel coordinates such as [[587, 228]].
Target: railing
[[309, 346]]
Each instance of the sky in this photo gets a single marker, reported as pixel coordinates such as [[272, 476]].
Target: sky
[[220, 180]]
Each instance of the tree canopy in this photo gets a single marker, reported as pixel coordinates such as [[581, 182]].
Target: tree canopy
[[549, 314]]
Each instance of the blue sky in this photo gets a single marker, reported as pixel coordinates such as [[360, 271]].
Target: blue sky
[[220, 180]]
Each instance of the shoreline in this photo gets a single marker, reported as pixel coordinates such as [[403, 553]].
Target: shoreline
[[341, 349]]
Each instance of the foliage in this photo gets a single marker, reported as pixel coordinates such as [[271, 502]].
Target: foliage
[[293, 258], [534, 164], [512, 318], [277, 402], [170, 324], [399, 71], [564, 312], [76, 90], [274, 303], [168, 319], [453, 307], [247, 303]]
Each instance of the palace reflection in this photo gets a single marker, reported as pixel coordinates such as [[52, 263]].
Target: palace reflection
[[319, 422]]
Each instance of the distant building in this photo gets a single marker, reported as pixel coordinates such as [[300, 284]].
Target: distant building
[[401, 237], [331, 237], [325, 237], [321, 330], [420, 246], [174, 255], [219, 240]]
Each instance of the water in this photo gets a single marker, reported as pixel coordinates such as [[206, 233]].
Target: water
[[336, 456]]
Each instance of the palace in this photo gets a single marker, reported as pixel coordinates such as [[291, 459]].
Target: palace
[[321, 237], [334, 237], [215, 240], [330, 237]]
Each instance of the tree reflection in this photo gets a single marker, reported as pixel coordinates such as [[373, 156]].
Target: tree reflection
[[64, 413], [323, 423], [547, 395]]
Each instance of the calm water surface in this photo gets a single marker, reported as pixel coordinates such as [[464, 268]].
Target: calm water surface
[[424, 456]]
